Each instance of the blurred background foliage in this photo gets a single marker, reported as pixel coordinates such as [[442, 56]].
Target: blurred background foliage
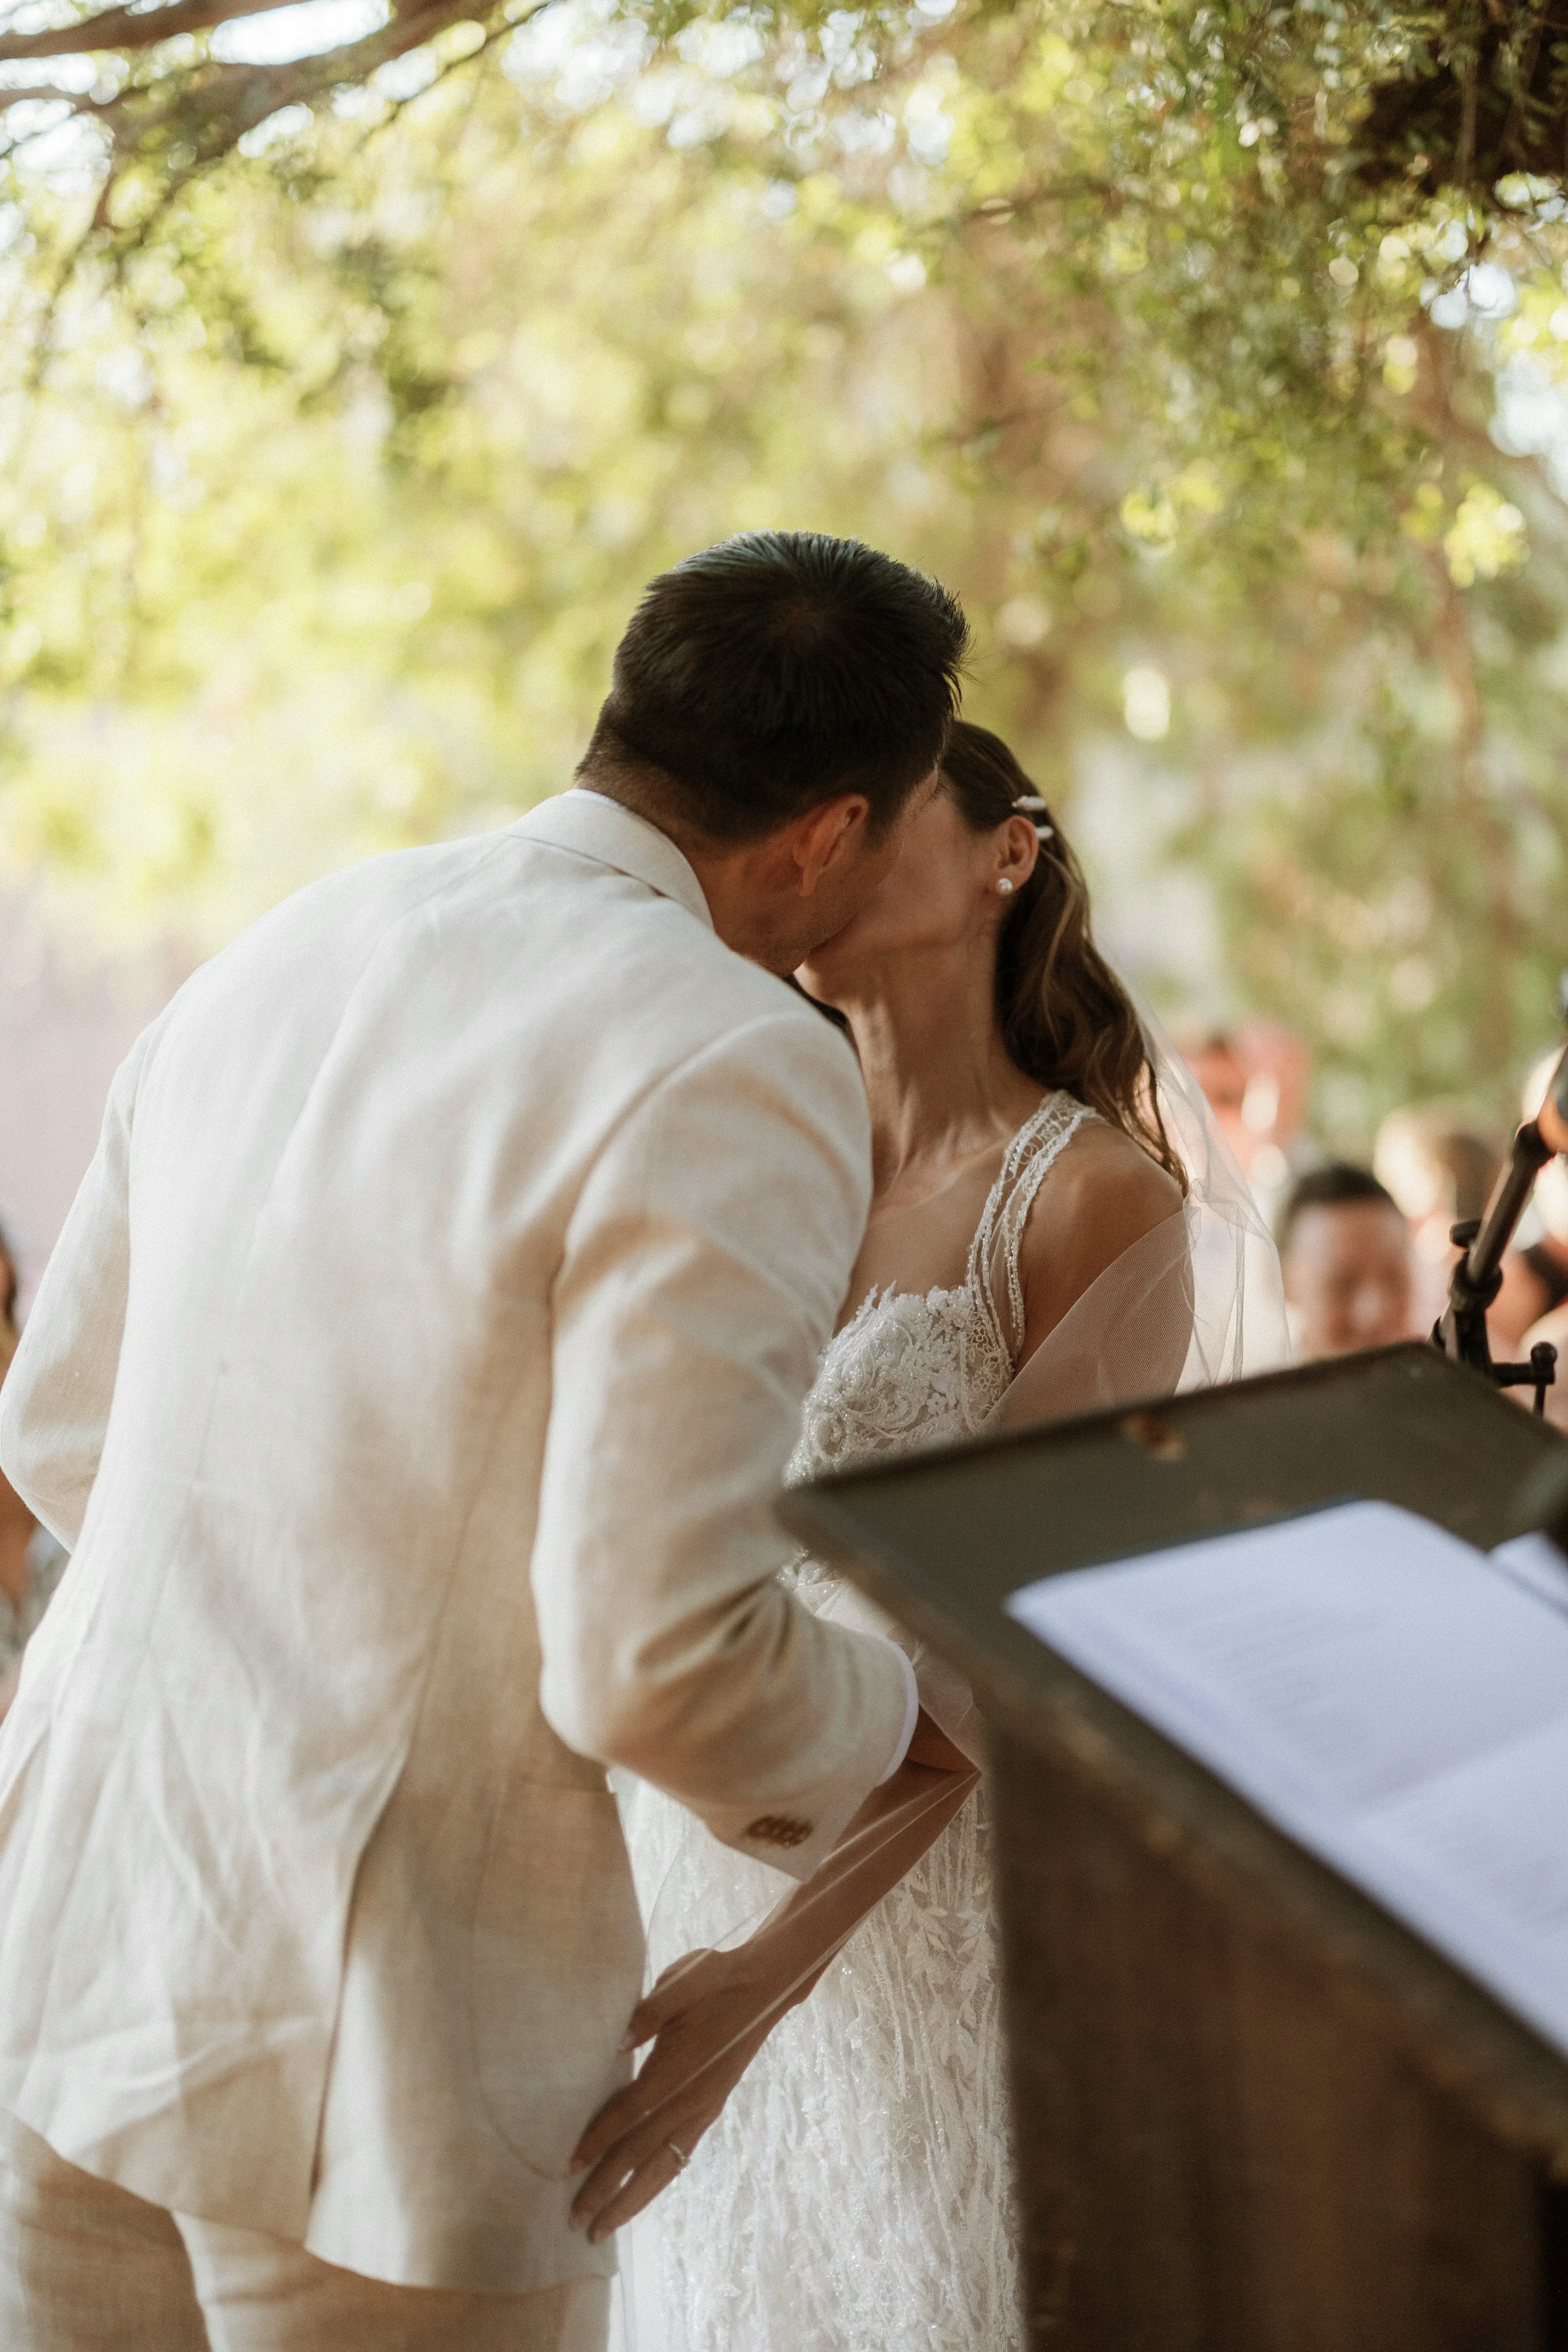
[[1218, 356]]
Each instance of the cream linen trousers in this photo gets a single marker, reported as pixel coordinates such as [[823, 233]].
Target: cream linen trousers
[[87, 2267]]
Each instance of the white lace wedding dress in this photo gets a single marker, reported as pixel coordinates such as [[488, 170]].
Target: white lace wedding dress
[[854, 2196]]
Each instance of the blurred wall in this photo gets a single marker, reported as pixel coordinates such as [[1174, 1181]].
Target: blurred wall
[[69, 1013]]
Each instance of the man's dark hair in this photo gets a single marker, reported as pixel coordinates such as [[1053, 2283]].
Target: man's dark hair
[[775, 670], [1338, 1184]]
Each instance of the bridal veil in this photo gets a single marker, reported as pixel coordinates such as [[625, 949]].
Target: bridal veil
[[1196, 1301]]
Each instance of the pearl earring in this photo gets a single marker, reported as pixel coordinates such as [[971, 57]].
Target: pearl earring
[[1005, 886]]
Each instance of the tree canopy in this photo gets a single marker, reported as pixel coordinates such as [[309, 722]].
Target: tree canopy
[[1216, 355], [1402, 98]]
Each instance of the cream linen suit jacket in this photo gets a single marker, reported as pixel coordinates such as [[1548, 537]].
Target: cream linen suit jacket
[[410, 1383]]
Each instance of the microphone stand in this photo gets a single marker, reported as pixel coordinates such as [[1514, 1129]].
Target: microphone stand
[[1461, 1333]]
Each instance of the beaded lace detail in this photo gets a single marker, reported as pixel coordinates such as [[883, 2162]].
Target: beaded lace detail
[[856, 2194], [910, 1371]]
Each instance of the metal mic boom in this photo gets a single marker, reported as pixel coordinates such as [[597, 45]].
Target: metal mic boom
[[1477, 1277]]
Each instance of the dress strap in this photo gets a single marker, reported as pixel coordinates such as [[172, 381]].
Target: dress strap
[[992, 1274]]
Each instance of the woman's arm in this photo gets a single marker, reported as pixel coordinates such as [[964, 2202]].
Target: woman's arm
[[709, 2015]]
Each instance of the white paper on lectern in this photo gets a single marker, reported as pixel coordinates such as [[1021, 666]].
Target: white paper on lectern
[[1534, 1561], [1391, 1697]]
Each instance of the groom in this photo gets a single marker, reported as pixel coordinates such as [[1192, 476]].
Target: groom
[[410, 1383]]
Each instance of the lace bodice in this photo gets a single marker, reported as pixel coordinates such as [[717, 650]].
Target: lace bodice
[[910, 1370], [856, 2194]]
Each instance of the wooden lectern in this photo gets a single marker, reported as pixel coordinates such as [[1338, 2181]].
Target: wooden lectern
[[1253, 2112]]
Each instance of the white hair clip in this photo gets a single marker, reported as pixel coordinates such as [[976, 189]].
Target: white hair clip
[[1030, 801]]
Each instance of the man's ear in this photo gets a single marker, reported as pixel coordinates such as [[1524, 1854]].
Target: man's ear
[[826, 835]]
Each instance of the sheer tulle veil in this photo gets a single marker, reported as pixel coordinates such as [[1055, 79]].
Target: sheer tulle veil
[[1197, 1301]]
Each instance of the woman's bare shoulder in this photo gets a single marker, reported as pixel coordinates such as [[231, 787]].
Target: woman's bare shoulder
[[1103, 1194], [1101, 1170]]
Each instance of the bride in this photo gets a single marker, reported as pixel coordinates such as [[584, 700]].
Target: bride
[[1030, 1252]]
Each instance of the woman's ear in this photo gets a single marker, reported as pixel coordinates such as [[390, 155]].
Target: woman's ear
[[1018, 845]]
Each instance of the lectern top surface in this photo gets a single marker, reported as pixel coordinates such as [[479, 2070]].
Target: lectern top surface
[[964, 1527], [943, 1540]]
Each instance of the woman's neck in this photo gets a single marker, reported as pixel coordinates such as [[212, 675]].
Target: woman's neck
[[940, 1086]]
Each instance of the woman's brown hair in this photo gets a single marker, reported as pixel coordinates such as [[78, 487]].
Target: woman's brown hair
[[1066, 1019], [10, 1285]]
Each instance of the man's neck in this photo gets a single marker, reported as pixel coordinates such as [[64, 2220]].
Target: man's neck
[[639, 797], [731, 874]]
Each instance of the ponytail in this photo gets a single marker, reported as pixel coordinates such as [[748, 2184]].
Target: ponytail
[[1066, 1019]]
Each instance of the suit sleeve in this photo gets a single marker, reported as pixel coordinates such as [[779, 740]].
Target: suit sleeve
[[704, 1266], [54, 1404]]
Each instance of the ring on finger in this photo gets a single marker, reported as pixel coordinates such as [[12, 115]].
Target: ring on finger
[[682, 2158]]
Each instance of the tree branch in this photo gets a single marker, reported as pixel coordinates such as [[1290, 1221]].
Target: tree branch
[[184, 122], [218, 102], [77, 101], [130, 28]]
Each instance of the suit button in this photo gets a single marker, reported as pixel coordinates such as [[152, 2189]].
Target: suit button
[[778, 1829]]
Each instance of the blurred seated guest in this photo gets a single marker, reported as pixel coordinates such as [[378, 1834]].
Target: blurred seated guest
[[1535, 1279], [1257, 1079], [30, 1559], [1345, 1250], [1440, 1171]]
